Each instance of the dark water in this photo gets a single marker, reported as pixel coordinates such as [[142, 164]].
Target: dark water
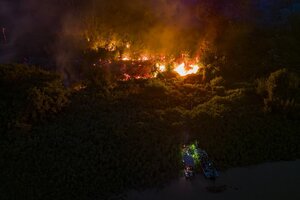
[[280, 180]]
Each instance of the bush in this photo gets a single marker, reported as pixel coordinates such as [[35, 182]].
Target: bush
[[156, 86], [218, 81], [261, 87], [281, 87], [217, 107], [98, 77], [128, 138], [220, 90], [277, 85], [29, 94], [47, 100]]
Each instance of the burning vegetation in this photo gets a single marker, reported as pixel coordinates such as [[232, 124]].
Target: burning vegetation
[[145, 67], [157, 44], [133, 35]]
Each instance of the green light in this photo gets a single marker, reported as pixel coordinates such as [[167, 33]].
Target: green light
[[193, 150], [193, 147]]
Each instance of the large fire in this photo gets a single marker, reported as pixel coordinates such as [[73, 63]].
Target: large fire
[[135, 64], [184, 70], [139, 67], [126, 58], [161, 67]]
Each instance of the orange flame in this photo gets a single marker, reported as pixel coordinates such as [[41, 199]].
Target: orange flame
[[126, 58], [161, 67], [184, 70]]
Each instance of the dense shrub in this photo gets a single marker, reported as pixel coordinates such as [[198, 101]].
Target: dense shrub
[[261, 87], [218, 81], [281, 85], [156, 86], [99, 78], [219, 106], [104, 143], [29, 94], [235, 130], [280, 91]]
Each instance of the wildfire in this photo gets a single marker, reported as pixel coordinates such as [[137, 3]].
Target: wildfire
[[155, 64], [126, 58], [161, 68], [127, 77], [143, 58], [184, 70], [142, 64]]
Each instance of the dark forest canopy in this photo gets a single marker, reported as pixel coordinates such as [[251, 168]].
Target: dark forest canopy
[[58, 143]]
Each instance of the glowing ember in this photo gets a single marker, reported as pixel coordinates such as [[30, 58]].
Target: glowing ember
[[126, 58], [184, 70], [143, 58], [161, 68], [79, 87], [126, 77]]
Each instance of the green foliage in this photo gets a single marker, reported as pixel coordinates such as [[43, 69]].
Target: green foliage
[[107, 141], [281, 85], [210, 72], [99, 78], [156, 86], [50, 99], [218, 81], [235, 131], [217, 106], [29, 94], [217, 85], [280, 91], [261, 87]]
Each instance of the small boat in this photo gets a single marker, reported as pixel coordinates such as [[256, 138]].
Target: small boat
[[194, 157]]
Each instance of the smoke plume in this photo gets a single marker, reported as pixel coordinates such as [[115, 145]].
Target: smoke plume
[[41, 31]]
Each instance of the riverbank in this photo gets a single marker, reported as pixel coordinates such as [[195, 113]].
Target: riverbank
[[278, 180]]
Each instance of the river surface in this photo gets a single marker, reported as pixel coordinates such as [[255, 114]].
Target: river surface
[[279, 180]]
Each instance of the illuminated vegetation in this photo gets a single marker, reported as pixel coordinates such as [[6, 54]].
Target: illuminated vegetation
[[130, 135]]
